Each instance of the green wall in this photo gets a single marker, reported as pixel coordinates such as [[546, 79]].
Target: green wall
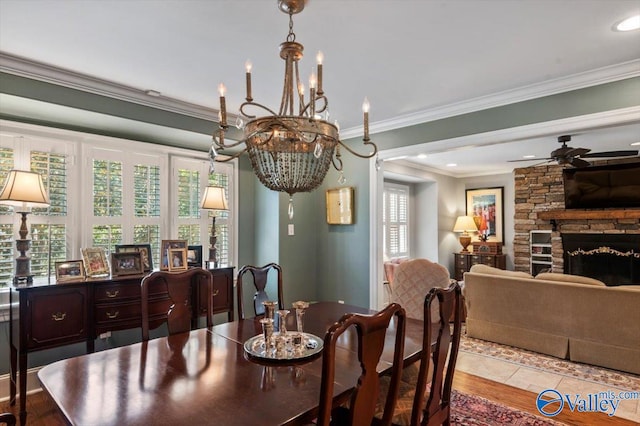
[[324, 262]]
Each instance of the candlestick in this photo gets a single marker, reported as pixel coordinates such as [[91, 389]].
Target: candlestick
[[319, 59], [223, 106], [248, 66], [365, 109]]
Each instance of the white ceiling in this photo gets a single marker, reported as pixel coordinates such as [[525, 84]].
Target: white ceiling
[[411, 58]]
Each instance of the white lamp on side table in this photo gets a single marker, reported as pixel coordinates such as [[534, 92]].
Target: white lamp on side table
[[214, 199], [465, 224], [23, 190]]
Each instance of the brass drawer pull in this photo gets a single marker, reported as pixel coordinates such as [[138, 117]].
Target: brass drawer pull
[[58, 316], [112, 295], [113, 315], [215, 292]]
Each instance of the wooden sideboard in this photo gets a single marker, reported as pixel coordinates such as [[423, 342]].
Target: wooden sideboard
[[464, 262], [51, 315]]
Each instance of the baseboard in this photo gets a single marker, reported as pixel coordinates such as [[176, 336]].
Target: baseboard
[[33, 385]]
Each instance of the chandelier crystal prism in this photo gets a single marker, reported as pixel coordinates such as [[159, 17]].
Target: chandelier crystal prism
[[290, 150]]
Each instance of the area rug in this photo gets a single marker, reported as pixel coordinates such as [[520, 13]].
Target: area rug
[[591, 373], [471, 410]]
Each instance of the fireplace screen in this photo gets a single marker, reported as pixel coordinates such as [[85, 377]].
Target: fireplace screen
[[594, 255]]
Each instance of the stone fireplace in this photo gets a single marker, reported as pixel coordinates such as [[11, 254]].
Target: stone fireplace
[[540, 191]]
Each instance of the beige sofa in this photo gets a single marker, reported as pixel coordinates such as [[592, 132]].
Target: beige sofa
[[566, 316]]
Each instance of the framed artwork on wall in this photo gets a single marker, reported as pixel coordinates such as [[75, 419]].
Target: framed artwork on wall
[[340, 206], [486, 206]]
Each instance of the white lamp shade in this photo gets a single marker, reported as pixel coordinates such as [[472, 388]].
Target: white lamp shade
[[465, 224], [24, 189], [214, 198]]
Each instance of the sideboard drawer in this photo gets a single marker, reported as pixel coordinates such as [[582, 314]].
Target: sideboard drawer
[[56, 317], [117, 292], [114, 313]]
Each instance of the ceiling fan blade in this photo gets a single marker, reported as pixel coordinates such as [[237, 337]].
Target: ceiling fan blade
[[576, 162], [577, 152], [529, 159], [607, 154]]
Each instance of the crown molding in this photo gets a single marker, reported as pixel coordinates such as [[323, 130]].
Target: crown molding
[[23, 67], [27, 68], [546, 88]]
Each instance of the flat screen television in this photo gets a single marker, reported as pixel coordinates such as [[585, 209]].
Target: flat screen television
[[611, 186]]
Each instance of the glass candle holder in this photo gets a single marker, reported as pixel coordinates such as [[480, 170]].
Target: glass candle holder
[[300, 307]]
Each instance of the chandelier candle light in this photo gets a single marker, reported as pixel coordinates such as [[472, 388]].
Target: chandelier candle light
[[291, 150], [23, 190]]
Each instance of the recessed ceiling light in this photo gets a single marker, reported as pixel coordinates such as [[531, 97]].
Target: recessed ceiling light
[[629, 24], [153, 93], [635, 144], [529, 156], [451, 165], [422, 155]]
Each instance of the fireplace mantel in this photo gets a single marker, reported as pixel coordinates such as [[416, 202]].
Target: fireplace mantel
[[581, 214]]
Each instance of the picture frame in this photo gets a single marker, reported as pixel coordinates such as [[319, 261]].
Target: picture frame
[[340, 206], [126, 263], [146, 255], [95, 262], [164, 251], [486, 206], [69, 270], [177, 259], [194, 256]]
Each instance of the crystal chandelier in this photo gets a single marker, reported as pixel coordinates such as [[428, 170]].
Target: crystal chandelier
[[291, 150]]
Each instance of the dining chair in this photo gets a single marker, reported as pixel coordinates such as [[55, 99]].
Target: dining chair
[[412, 281], [8, 418], [183, 289], [411, 408], [260, 276], [371, 332]]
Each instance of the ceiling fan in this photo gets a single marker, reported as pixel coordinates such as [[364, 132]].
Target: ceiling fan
[[575, 156]]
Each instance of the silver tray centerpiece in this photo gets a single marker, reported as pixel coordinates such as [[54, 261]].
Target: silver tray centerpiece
[[289, 347]]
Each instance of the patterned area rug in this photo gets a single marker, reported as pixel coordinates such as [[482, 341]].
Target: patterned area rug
[[471, 410], [550, 364]]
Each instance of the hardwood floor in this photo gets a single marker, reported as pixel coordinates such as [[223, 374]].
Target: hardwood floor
[[43, 411]]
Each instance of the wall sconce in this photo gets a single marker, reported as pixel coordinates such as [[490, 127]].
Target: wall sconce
[[465, 224], [23, 190], [213, 199]]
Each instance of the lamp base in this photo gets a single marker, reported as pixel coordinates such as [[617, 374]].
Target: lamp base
[[465, 240], [23, 273]]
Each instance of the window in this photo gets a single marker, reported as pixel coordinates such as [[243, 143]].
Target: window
[[395, 220], [119, 192], [193, 223], [48, 226]]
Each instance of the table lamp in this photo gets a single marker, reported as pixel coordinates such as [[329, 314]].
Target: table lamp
[[23, 190], [465, 224], [214, 199]]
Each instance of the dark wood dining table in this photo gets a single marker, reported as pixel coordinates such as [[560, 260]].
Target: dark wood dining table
[[204, 377]]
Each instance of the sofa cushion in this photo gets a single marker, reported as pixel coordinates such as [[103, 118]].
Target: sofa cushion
[[578, 279], [486, 269]]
